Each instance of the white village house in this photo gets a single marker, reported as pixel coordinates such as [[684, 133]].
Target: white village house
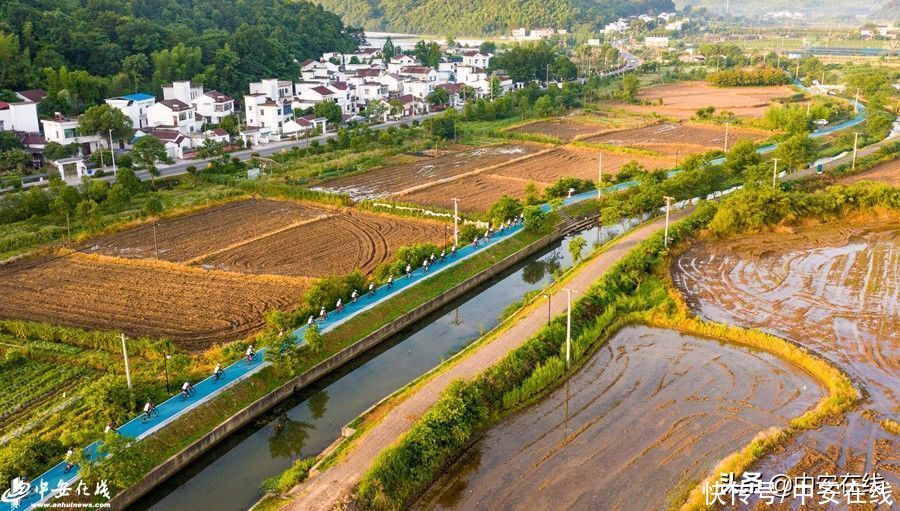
[[135, 107]]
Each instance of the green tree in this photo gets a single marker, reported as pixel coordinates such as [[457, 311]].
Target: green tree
[[795, 151], [314, 339], [506, 208], [576, 246], [35, 202], [129, 181], [118, 197], [439, 96], [536, 219], [147, 153], [88, 212], [330, 110], [488, 47], [55, 151], [741, 156], [180, 63], [136, 67], [14, 159], [9, 140], [627, 88], [543, 107], [388, 50], [101, 120]]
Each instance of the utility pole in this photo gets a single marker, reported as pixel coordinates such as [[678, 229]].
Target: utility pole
[[855, 140], [166, 364], [599, 175], [548, 76], [455, 222], [127, 367], [774, 171], [856, 99], [797, 75], [547, 295], [726, 138], [676, 158], [155, 244], [112, 152], [666, 234], [568, 327], [68, 228]]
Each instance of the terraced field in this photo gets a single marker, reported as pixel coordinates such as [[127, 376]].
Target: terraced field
[[650, 413], [666, 138], [334, 245], [681, 100], [476, 193], [395, 179], [835, 289], [580, 162], [193, 307], [564, 128], [187, 237]]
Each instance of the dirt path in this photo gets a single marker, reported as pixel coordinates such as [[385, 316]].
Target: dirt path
[[327, 489]]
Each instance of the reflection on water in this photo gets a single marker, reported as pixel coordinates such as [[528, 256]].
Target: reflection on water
[[229, 476]]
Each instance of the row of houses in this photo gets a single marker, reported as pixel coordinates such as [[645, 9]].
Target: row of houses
[[273, 109]]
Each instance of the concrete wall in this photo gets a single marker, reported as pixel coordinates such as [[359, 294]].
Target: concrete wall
[[193, 451]]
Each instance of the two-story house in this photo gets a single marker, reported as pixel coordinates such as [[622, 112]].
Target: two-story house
[[174, 114], [214, 106], [424, 73], [135, 107], [64, 131], [477, 59]]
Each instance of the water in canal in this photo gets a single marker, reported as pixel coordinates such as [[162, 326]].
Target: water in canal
[[228, 478]]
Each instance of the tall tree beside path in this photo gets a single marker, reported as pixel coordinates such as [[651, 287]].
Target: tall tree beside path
[[100, 120], [147, 153]]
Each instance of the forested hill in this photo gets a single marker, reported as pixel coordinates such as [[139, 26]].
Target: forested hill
[[476, 17], [139, 44]]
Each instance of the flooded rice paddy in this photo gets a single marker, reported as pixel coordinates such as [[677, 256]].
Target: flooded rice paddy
[[650, 414], [836, 290]]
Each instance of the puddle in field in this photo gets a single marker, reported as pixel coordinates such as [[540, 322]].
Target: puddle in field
[[835, 290], [653, 409]]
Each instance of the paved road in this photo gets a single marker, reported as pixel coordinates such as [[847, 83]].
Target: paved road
[[322, 492]]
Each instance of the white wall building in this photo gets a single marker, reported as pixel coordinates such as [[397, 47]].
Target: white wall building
[[477, 59], [64, 131], [174, 114], [214, 106], [135, 107], [184, 91]]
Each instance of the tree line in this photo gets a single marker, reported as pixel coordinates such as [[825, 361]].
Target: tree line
[[83, 52]]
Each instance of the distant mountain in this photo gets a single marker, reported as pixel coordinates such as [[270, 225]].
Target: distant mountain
[[844, 10], [481, 17]]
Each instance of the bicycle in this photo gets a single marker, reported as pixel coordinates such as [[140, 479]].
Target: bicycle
[[218, 376], [149, 415], [249, 359], [186, 394]]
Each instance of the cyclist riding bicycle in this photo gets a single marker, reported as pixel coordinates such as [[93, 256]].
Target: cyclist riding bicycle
[[218, 373], [187, 389], [251, 354], [149, 409]]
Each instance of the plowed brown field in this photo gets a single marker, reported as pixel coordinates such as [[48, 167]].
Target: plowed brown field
[[888, 172], [191, 236], [565, 129], [668, 137], [193, 307], [330, 246], [475, 193], [386, 181], [681, 100], [580, 162], [652, 410], [835, 289]]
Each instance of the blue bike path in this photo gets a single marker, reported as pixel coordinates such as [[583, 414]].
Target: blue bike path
[[175, 406]]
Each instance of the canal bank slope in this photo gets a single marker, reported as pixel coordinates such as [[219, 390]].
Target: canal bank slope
[[333, 485]]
